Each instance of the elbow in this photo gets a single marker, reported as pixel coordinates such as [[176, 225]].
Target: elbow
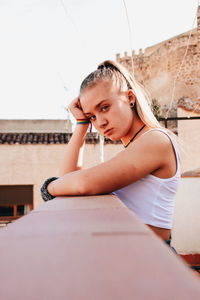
[[73, 184], [84, 188]]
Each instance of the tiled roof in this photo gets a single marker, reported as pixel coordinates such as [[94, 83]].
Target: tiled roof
[[46, 138]]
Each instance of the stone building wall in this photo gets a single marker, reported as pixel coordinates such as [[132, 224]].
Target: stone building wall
[[156, 67]]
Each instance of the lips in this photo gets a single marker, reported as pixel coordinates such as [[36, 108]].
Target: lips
[[108, 131]]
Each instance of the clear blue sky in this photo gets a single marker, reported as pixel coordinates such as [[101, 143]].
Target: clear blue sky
[[48, 46]]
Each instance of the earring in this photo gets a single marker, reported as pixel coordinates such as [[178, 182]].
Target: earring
[[132, 104]]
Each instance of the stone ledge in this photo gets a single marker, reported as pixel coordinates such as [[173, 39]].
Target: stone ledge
[[64, 251]]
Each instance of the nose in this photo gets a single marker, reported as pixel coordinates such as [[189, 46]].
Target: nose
[[102, 122]]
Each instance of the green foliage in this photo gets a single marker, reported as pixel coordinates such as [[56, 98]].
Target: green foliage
[[156, 108]]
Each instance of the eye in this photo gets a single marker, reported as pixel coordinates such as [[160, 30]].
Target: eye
[[92, 118], [104, 108]]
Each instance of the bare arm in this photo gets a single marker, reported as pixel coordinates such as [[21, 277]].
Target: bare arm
[[73, 157], [146, 155]]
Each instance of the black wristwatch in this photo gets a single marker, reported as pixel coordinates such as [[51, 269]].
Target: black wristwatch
[[46, 196]]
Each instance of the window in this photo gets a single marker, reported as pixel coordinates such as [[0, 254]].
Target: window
[[15, 201], [6, 211]]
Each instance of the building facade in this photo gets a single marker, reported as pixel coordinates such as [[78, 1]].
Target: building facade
[[175, 61], [28, 157]]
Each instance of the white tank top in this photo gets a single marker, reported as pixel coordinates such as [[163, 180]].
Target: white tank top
[[152, 198]]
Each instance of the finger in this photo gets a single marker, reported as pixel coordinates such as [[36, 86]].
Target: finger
[[79, 104], [73, 103]]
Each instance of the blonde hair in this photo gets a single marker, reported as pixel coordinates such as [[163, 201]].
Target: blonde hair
[[110, 70]]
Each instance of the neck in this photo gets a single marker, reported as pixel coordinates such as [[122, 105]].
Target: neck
[[133, 130]]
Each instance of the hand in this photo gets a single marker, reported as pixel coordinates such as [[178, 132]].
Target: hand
[[76, 109]]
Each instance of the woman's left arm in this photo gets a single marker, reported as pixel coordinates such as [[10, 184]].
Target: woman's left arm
[[146, 154]]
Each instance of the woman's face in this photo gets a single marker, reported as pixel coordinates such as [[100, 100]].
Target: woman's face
[[108, 109]]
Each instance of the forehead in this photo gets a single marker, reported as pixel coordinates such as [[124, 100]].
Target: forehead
[[92, 96]]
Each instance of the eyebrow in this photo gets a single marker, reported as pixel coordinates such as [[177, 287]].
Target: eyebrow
[[99, 104]]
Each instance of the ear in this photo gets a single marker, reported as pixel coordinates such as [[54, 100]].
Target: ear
[[131, 96]]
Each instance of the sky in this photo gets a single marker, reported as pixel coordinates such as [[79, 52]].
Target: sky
[[47, 47]]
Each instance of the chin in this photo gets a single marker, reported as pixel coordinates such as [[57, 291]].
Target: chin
[[114, 139]]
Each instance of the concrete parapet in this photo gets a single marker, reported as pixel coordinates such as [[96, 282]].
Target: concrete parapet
[[89, 248]]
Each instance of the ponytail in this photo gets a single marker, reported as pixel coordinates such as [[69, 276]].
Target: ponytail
[[110, 70]]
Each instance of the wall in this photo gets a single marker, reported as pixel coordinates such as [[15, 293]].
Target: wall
[[189, 139], [186, 228], [156, 68], [35, 126], [32, 164]]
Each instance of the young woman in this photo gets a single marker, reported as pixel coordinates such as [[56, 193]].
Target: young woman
[[146, 173]]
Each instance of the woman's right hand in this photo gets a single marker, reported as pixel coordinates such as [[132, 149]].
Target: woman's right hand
[[76, 109]]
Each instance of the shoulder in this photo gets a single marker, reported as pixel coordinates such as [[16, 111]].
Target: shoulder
[[148, 152], [153, 139]]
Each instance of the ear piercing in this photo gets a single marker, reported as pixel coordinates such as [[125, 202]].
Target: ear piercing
[[132, 104]]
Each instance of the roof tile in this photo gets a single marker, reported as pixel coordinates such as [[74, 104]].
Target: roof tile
[[47, 138]]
